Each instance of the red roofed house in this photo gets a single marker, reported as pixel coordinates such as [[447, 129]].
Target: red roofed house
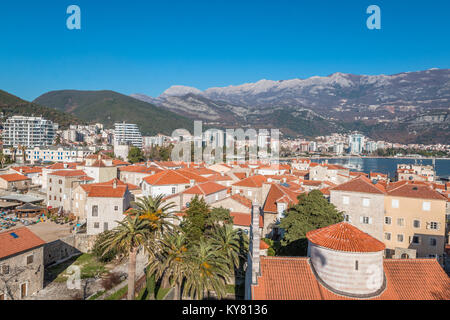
[[278, 200], [21, 264], [34, 173], [235, 203], [135, 174], [251, 188], [362, 202], [415, 221], [343, 263], [210, 191], [101, 205], [14, 181], [60, 185], [169, 182], [100, 167]]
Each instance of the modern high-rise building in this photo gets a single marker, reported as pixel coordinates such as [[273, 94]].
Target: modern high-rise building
[[127, 133], [28, 131], [356, 142]]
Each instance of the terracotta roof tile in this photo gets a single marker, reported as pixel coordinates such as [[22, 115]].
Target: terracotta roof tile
[[25, 240], [169, 177], [345, 237], [242, 200], [411, 190], [360, 184], [205, 188], [244, 219], [68, 173], [251, 182], [13, 177], [291, 278]]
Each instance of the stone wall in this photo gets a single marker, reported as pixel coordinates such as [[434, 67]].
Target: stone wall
[[64, 248]]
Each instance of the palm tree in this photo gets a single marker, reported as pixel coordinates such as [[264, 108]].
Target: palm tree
[[229, 242], [207, 271], [156, 213], [131, 234], [171, 261], [13, 154]]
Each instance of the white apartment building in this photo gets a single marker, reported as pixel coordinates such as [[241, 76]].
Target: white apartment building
[[28, 131], [127, 133], [56, 154]]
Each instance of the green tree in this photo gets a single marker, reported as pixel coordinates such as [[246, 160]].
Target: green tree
[[131, 234], [135, 155], [208, 271], [219, 216], [313, 211], [195, 221], [230, 244], [171, 261]]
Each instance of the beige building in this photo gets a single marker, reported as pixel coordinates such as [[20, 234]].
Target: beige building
[[251, 188], [21, 264], [100, 167], [414, 224], [414, 172], [362, 202], [14, 181], [60, 185]]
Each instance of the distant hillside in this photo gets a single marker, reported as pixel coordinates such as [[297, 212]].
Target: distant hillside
[[108, 107], [11, 105]]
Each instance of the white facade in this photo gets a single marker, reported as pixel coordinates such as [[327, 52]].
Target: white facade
[[56, 154], [28, 131], [127, 133]]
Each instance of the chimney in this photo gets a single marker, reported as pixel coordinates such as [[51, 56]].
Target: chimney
[[21, 170], [115, 183], [253, 263], [192, 182], [65, 165]]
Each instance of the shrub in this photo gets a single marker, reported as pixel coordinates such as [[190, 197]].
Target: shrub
[[111, 280]]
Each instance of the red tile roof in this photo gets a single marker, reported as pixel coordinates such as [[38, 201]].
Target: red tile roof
[[205, 188], [169, 177], [244, 219], [345, 237], [140, 169], [360, 184], [101, 191], [242, 200], [276, 192], [60, 166], [26, 240], [26, 170], [251, 182], [411, 190], [68, 173], [13, 177], [291, 278]]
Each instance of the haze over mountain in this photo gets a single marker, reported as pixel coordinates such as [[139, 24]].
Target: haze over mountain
[[400, 106]]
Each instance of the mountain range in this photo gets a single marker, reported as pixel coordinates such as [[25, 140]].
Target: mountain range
[[406, 107], [109, 107]]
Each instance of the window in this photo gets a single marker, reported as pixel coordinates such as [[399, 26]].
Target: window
[[60, 181], [366, 220], [116, 208], [347, 218], [174, 190], [366, 202], [395, 203], [401, 222], [434, 225], [4, 269], [95, 211], [105, 226], [387, 236], [433, 242], [416, 223], [249, 193], [96, 225], [23, 290], [426, 206], [50, 180], [30, 259], [356, 265], [400, 238], [387, 220], [345, 200], [415, 240]]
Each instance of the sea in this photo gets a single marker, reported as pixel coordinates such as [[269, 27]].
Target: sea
[[387, 165]]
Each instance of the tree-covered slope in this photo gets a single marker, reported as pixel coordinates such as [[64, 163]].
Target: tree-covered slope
[[108, 107], [11, 105]]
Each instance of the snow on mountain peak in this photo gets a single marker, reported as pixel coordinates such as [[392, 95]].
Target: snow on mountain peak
[[176, 91]]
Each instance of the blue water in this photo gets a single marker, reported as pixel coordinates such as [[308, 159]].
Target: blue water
[[389, 165]]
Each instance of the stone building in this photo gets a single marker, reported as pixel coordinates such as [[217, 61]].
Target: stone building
[[362, 202], [14, 181], [21, 264]]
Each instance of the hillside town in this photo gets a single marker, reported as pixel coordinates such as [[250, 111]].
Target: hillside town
[[293, 228]]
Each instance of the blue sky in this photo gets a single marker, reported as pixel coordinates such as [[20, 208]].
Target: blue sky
[[138, 46]]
